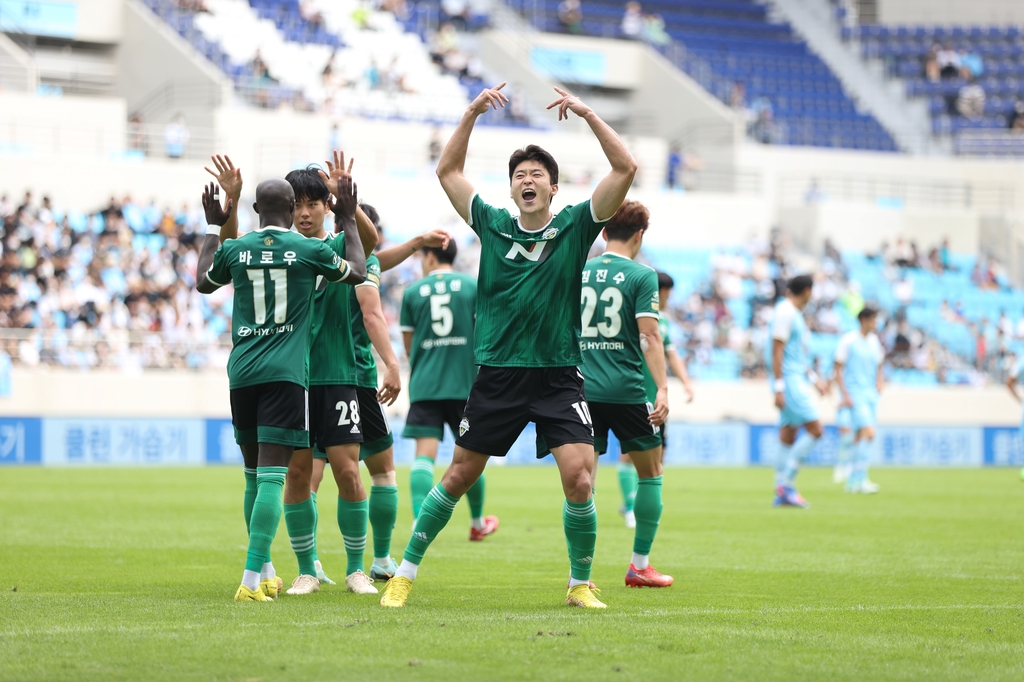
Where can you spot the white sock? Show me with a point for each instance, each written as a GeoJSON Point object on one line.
{"type": "Point", "coordinates": [382, 562]}
{"type": "Point", "coordinates": [407, 570]}
{"type": "Point", "coordinates": [573, 582]}
{"type": "Point", "coordinates": [477, 523]}
{"type": "Point", "coordinates": [640, 561]}
{"type": "Point", "coordinates": [318, 566]}
{"type": "Point", "coordinates": [251, 579]}
{"type": "Point", "coordinates": [267, 571]}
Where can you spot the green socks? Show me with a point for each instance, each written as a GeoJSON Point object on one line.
{"type": "Point", "coordinates": [352, 517]}
{"type": "Point", "coordinates": [475, 495]}
{"type": "Point", "coordinates": [266, 515]}
{"type": "Point", "coordinates": [300, 519]}
{"type": "Point", "coordinates": [316, 523]}
{"type": "Point", "coordinates": [580, 521]}
{"type": "Point", "coordinates": [648, 514]}
{"type": "Point", "coordinates": [436, 512]}
{"type": "Point", "coordinates": [250, 494]}
{"type": "Point", "coordinates": [627, 483]}
{"type": "Point", "coordinates": [383, 512]}
{"type": "Point", "coordinates": [421, 480]}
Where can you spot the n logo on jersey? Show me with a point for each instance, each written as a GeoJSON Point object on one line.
{"type": "Point", "coordinates": [534, 253]}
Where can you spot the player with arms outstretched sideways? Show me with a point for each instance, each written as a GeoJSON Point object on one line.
{"type": "Point", "coordinates": [619, 310]}
{"type": "Point", "coordinates": [790, 368]}
{"type": "Point", "coordinates": [274, 272]}
{"type": "Point", "coordinates": [437, 320]}
{"type": "Point", "coordinates": [858, 371]}
{"type": "Point", "coordinates": [526, 338]}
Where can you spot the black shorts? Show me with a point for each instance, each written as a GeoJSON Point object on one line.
{"type": "Point", "coordinates": [426, 418]}
{"type": "Point", "coordinates": [275, 412]}
{"type": "Point", "coordinates": [334, 417]}
{"type": "Point", "coordinates": [376, 430]}
{"type": "Point", "coordinates": [505, 399]}
{"type": "Point", "coordinates": [628, 423]}
{"type": "Point", "coordinates": [663, 432]}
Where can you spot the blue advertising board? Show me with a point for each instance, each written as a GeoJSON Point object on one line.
{"type": "Point", "coordinates": [39, 18]}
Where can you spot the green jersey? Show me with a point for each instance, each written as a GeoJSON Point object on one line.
{"type": "Point", "coordinates": [332, 355]}
{"type": "Point", "coordinates": [649, 386]}
{"type": "Point", "coordinates": [439, 311]}
{"type": "Point", "coordinates": [274, 272]}
{"type": "Point", "coordinates": [528, 284]}
{"type": "Point", "coordinates": [366, 366]}
{"type": "Point", "coordinates": [616, 292]}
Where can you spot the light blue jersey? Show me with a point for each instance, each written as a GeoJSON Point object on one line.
{"type": "Point", "coordinates": [861, 357]}
{"type": "Point", "coordinates": [789, 327]}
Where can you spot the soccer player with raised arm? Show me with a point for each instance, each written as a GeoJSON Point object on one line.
{"type": "Point", "coordinates": [790, 368]}
{"type": "Point", "coordinates": [628, 480]}
{"type": "Point", "coordinates": [437, 320]}
{"type": "Point", "coordinates": [858, 370]}
{"type": "Point", "coordinates": [274, 272]}
{"type": "Point", "coordinates": [527, 334]}
{"type": "Point", "coordinates": [620, 334]}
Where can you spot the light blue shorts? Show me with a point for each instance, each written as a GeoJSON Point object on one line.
{"type": "Point", "coordinates": [844, 418]}
{"type": "Point", "coordinates": [800, 408]}
{"type": "Point", "coordinates": [865, 411]}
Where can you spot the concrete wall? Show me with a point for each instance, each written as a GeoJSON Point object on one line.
{"type": "Point", "coordinates": [62, 126]}
{"type": "Point", "coordinates": [17, 70]}
{"type": "Point", "coordinates": [948, 12]}
{"type": "Point", "coordinates": [68, 393]}
{"type": "Point", "coordinates": [100, 21]}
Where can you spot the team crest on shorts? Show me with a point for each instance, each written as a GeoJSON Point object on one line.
{"type": "Point", "coordinates": [463, 427]}
{"type": "Point", "coordinates": [549, 233]}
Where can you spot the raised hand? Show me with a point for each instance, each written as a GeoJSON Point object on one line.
{"type": "Point", "coordinates": [489, 98]}
{"type": "Point", "coordinates": [229, 177]}
{"type": "Point", "coordinates": [568, 102]}
{"type": "Point", "coordinates": [436, 238]}
{"type": "Point", "coordinates": [215, 215]}
{"type": "Point", "coordinates": [347, 198]}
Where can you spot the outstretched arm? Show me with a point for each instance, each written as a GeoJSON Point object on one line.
{"type": "Point", "coordinates": [377, 329]}
{"type": "Point", "coordinates": [612, 189]}
{"type": "Point", "coordinates": [335, 172]}
{"type": "Point", "coordinates": [452, 163]}
{"type": "Point", "coordinates": [215, 217]}
{"type": "Point", "coordinates": [396, 255]}
{"type": "Point", "coordinates": [678, 367]}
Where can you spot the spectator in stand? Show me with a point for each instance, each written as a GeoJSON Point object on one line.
{"type": "Point", "coordinates": [763, 127]}
{"type": "Point", "coordinates": [455, 12]}
{"type": "Point", "coordinates": [314, 19]}
{"type": "Point", "coordinates": [1016, 119]}
{"type": "Point", "coordinates": [443, 43]}
{"type": "Point", "coordinates": [176, 137]}
{"type": "Point", "coordinates": [137, 140]}
{"type": "Point", "coordinates": [971, 64]}
{"type": "Point", "coordinates": [900, 255]}
{"type": "Point", "coordinates": [944, 255]}
{"type": "Point", "coordinates": [632, 21]}
{"type": "Point", "coordinates": [738, 96]}
{"type": "Point", "coordinates": [970, 103]}
{"type": "Point", "coordinates": [653, 31]}
{"type": "Point", "coordinates": [675, 166]}
{"type": "Point", "coordinates": [570, 16]}
{"type": "Point", "coordinates": [948, 61]}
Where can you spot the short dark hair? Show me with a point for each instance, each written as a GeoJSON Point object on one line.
{"type": "Point", "coordinates": [445, 256]}
{"type": "Point", "coordinates": [532, 152]}
{"type": "Point", "coordinates": [665, 281]}
{"type": "Point", "coordinates": [372, 214]}
{"type": "Point", "coordinates": [631, 218]}
{"type": "Point", "coordinates": [308, 185]}
{"type": "Point", "coordinates": [868, 311]}
{"type": "Point", "coordinates": [800, 284]}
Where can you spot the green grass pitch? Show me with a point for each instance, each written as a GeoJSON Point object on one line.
{"type": "Point", "coordinates": [128, 574]}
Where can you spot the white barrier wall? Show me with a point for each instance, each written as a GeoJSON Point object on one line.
{"type": "Point", "coordinates": [951, 12]}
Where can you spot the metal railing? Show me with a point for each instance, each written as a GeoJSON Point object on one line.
{"type": "Point", "coordinates": [115, 349]}
{"type": "Point", "coordinates": [897, 192]}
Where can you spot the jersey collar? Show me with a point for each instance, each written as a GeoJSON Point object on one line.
{"type": "Point", "coordinates": [439, 271]}
{"type": "Point", "coordinates": [519, 226]}
{"type": "Point", "coordinates": [272, 227]}
{"type": "Point", "coordinates": [617, 255]}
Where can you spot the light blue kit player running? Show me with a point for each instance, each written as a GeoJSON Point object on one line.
{"type": "Point", "coordinates": [844, 424]}
{"type": "Point", "coordinates": [858, 369]}
{"type": "Point", "coordinates": [1016, 377]}
{"type": "Point", "coordinates": [792, 385]}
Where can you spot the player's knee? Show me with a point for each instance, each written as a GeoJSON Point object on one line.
{"type": "Point", "coordinates": [457, 480]}
{"type": "Point", "coordinates": [579, 486]}
{"type": "Point", "coordinates": [350, 486]}
{"type": "Point", "coordinates": [298, 478]}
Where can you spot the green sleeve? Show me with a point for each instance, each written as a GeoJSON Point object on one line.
{"type": "Point", "coordinates": [328, 263]}
{"type": "Point", "coordinates": [481, 214]}
{"type": "Point", "coordinates": [372, 272]}
{"type": "Point", "coordinates": [406, 320]}
{"type": "Point", "coordinates": [646, 295]}
{"type": "Point", "coordinates": [583, 218]}
{"type": "Point", "coordinates": [220, 271]}
{"type": "Point", "coordinates": [338, 244]}
{"type": "Point", "coordinates": [666, 336]}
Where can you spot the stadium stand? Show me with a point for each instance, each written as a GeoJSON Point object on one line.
{"type": "Point", "coordinates": [738, 53]}
{"type": "Point", "coordinates": [345, 58]}
{"type": "Point", "coordinates": [971, 76]}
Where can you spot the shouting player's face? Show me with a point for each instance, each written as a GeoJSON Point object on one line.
{"type": "Point", "coordinates": [309, 217]}
{"type": "Point", "coordinates": [531, 187]}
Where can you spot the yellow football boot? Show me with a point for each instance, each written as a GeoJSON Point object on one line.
{"type": "Point", "coordinates": [396, 592]}
{"type": "Point", "coordinates": [582, 595]}
{"type": "Point", "coordinates": [245, 594]}
{"type": "Point", "coordinates": [272, 586]}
